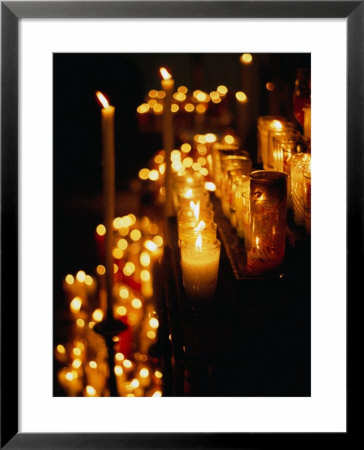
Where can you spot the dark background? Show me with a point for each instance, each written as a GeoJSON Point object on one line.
{"type": "Point", "coordinates": [125, 79]}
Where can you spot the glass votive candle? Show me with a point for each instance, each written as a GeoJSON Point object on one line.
{"type": "Point", "coordinates": [216, 163]}
{"type": "Point", "coordinates": [200, 266]}
{"type": "Point", "coordinates": [307, 195]}
{"type": "Point", "coordinates": [266, 240]}
{"type": "Point", "coordinates": [205, 213]}
{"type": "Point", "coordinates": [184, 200]}
{"type": "Point", "coordinates": [266, 124]}
{"type": "Point", "coordinates": [186, 183]}
{"type": "Point", "coordinates": [297, 186]}
{"type": "Point", "coordinates": [287, 127]}
{"type": "Point", "coordinates": [189, 230]}
{"type": "Point", "coordinates": [229, 195]}
{"type": "Point", "coordinates": [307, 121]}
{"type": "Point", "coordinates": [222, 152]}
{"type": "Point", "coordinates": [241, 202]}
{"type": "Point", "coordinates": [284, 145]}
{"type": "Point", "coordinates": [232, 162]}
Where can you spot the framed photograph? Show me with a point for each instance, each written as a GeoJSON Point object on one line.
{"type": "Point", "coordinates": [265, 359]}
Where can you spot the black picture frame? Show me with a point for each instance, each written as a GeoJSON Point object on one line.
{"type": "Point", "coordinates": [11, 12]}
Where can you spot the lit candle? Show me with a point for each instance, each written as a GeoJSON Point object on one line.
{"type": "Point", "coordinates": [307, 121]}
{"type": "Point", "coordinates": [200, 265]}
{"type": "Point", "coordinates": [267, 124]}
{"type": "Point", "coordinates": [96, 374]}
{"type": "Point", "coordinates": [69, 380]}
{"type": "Point", "coordinates": [168, 136]}
{"type": "Point", "coordinates": [108, 157]}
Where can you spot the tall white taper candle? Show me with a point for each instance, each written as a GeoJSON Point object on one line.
{"type": "Point", "coordinates": [168, 137]}
{"type": "Point", "coordinates": [108, 171]}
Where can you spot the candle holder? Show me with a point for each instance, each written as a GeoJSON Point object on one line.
{"type": "Point", "coordinates": [206, 213]}
{"type": "Point", "coordinates": [266, 123]}
{"type": "Point", "coordinates": [200, 266]}
{"type": "Point", "coordinates": [241, 163]}
{"type": "Point", "coordinates": [241, 189]}
{"type": "Point", "coordinates": [266, 239]}
{"type": "Point", "coordinates": [189, 231]}
{"type": "Point", "coordinates": [284, 145]}
{"type": "Point", "coordinates": [218, 151]}
{"type": "Point", "coordinates": [230, 194]}
{"type": "Point", "coordinates": [297, 186]}
{"type": "Point", "coordinates": [286, 128]}
{"type": "Point", "coordinates": [307, 195]}
{"type": "Point", "coordinates": [108, 329]}
{"type": "Point", "coordinates": [186, 185]}
{"type": "Point", "coordinates": [185, 199]}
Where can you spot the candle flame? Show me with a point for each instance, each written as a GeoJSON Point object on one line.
{"type": "Point", "coordinates": [102, 99]}
{"type": "Point", "coordinates": [196, 209]}
{"type": "Point", "coordinates": [165, 74]}
{"type": "Point", "coordinates": [201, 226]}
{"type": "Point", "coordinates": [189, 193]}
{"type": "Point", "coordinates": [199, 242]}
{"type": "Point", "coordinates": [150, 245]}
{"type": "Point", "coordinates": [276, 124]}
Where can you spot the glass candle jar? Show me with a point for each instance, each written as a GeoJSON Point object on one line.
{"type": "Point", "coordinates": [184, 200]}
{"type": "Point", "coordinates": [200, 266]}
{"type": "Point", "coordinates": [205, 213]}
{"type": "Point", "coordinates": [229, 163]}
{"type": "Point", "coordinates": [265, 124]}
{"type": "Point", "coordinates": [186, 184]}
{"type": "Point", "coordinates": [307, 195]}
{"type": "Point", "coordinates": [230, 193]}
{"type": "Point", "coordinates": [189, 230]}
{"type": "Point", "coordinates": [220, 151]}
{"type": "Point", "coordinates": [284, 145]}
{"type": "Point", "coordinates": [286, 127]}
{"type": "Point", "coordinates": [265, 242]}
{"type": "Point", "coordinates": [297, 186]}
{"type": "Point", "coordinates": [307, 121]}
{"type": "Point", "coordinates": [241, 202]}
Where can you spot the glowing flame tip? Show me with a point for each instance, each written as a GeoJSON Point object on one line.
{"type": "Point", "coordinates": [165, 74]}
{"type": "Point", "coordinates": [102, 99]}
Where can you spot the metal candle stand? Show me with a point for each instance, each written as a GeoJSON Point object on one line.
{"type": "Point", "coordinates": [108, 329]}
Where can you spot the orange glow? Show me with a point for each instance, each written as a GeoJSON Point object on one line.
{"type": "Point", "coordinates": [101, 229]}
{"type": "Point", "coordinates": [69, 279]}
{"type": "Point", "coordinates": [246, 58]}
{"type": "Point", "coordinates": [121, 310]}
{"type": "Point", "coordinates": [241, 97]}
{"type": "Point", "coordinates": [165, 74]}
{"type": "Point", "coordinates": [61, 349]}
{"type": "Point", "coordinates": [186, 148]}
{"type": "Point", "coordinates": [158, 240]}
{"type": "Point", "coordinates": [102, 99]}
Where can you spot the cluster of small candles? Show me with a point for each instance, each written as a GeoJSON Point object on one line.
{"type": "Point", "coordinates": [137, 249]}
{"type": "Point", "coordinates": [183, 101]}
{"type": "Point", "coordinates": [254, 201]}
{"type": "Point", "coordinates": [197, 239]}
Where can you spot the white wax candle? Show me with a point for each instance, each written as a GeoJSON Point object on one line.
{"type": "Point", "coordinates": [168, 137]}
{"type": "Point", "coordinates": [108, 160]}
{"type": "Point", "coordinates": [200, 265]}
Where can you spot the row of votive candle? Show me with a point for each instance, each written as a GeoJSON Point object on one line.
{"type": "Point", "coordinates": [283, 148]}
{"type": "Point", "coordinates": [197, 238]}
